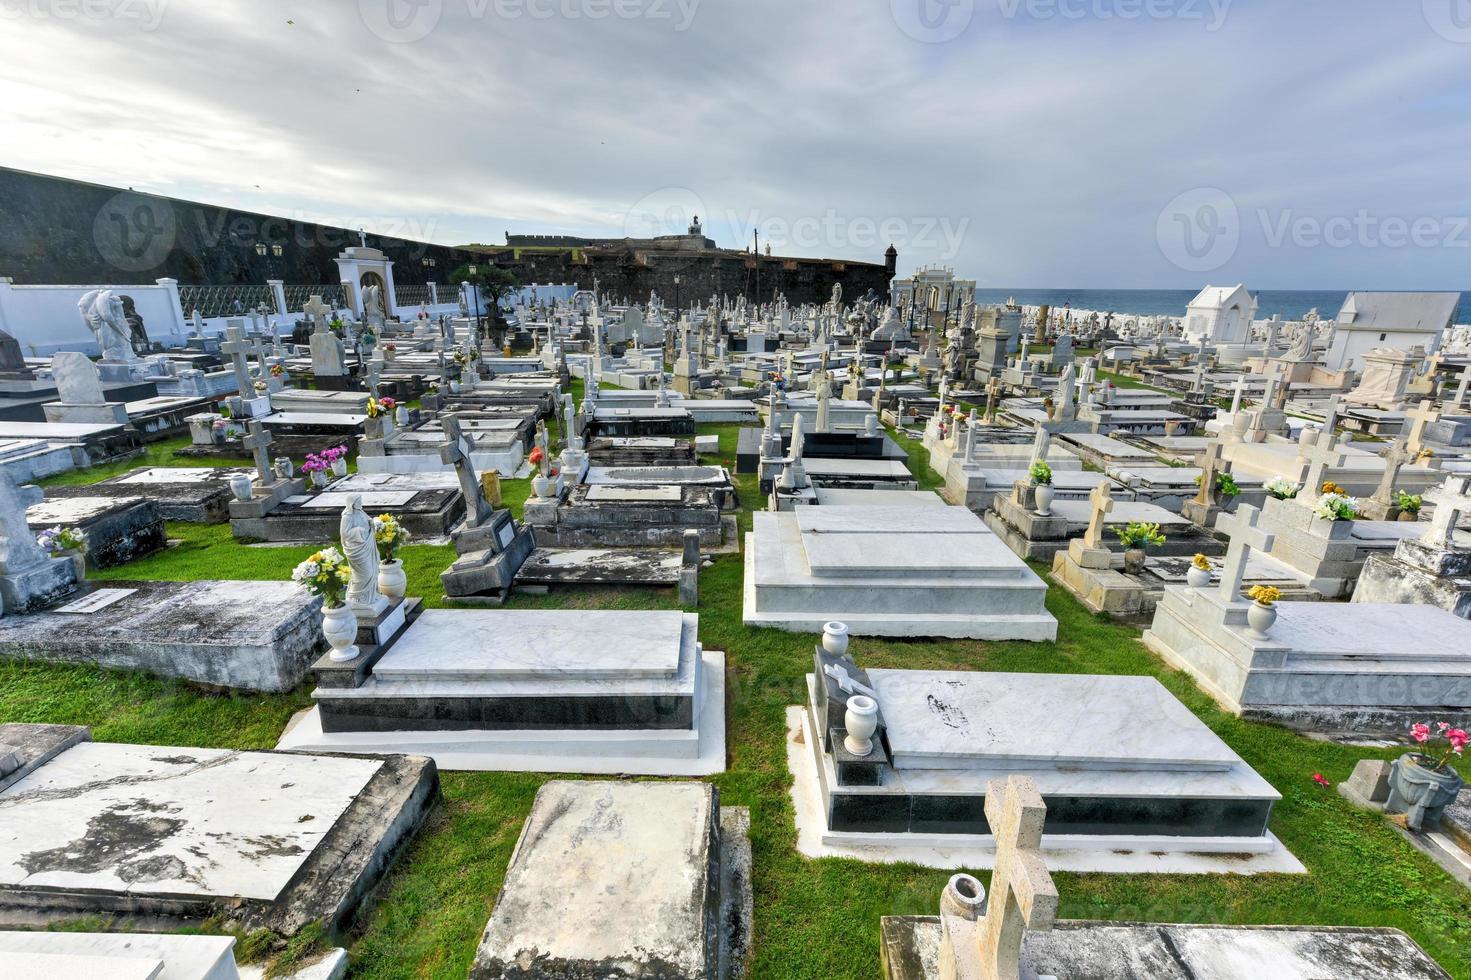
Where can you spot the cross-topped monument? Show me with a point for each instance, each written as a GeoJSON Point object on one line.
{"type": "Point", "coordinates": [455, 450]}
{"type": "Point", "coordinates": [1101, 500]}
{"type": "Point", "coordinates": [1424, 415]}
{"type": "Point", "coordinates": [1452, 501]}
{"type": "Point", "coordinates": [1210, 468]}
{"type": "Point", "coordinates": [1394, 460]}
{"type": "Point", "coordinates": [238, 347]}
{"type": "Point", "coordinates": [1022, 895]}
{"type": "Point", "coordinates": [259, 443]}
{"type": "Point", "coordinates": [317, 310]}
{"type": "Point", "coordinates": [1321, 454]}
{"type": "Point", "coordinates": [1245, 537]}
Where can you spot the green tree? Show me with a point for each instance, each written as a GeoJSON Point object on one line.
{"type": "Point", "coordinates": [492, 282]}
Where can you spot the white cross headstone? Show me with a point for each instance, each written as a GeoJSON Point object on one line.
{"type": "Point", "coordinates": [1102, 500]}
{"type": "Point", "coordinates": [455, 451]}
{"type": "Point", "coordinates": [1321, 454]}
{"type": "Point", "coordinates": [1210, 466]}
{"type": "Point", "coordinates": [237, 347]}
{"type": "Point", "coordinates": [317, 310]}
{"type": "Point", "coordinates": [1237, 391]}
{"type": "Point", "coordinates": [1022, 895]}
{"type": "Point", "coordinates": [1423, 415]}
{"type": "Point", "coordinates": [1452, 501]}
{"type": "Point", "coordinates": [259, 443]}
{"type": "Point", "coordinates": [1394, 460]}
{"type": "Point", "coordinates": [1245, 537]}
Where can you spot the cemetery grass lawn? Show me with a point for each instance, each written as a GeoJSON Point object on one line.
{"type": "Point", "coordinates": [813, 919]}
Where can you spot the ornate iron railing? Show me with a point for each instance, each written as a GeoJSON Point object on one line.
{"type": "Point", "coordinates": [411, 295]}
{"type": "Point", "coordinates": [298, 296]}
{"type": "Point", "coordinates": [233, 300]}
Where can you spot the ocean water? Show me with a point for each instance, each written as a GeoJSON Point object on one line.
{"type": "Point", "coordinates": [1291, 304]}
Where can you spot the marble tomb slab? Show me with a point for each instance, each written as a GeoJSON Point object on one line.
{"type": "Point", "coordinates": [172, 821]}
{"type": "Point", "coordinates": [536, 644]}
{"type": "Point", "coordinates": [626, 494]}
{"type": "Point", "coordinates": [969, 719]}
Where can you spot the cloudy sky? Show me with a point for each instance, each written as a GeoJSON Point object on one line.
{"type": "Point", "coordinates": [1044, 143]}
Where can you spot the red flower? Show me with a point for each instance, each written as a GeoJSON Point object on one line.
{"type": "Point", "coordinates": [1321, 780]}
{"type": "Point", "coordinates": [536, 456]}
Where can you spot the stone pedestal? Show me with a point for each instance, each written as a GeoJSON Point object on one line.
{"type": "Point", "coordinates": [104, 413]}
{"type": "Point", "coordinates": [1418, 573]}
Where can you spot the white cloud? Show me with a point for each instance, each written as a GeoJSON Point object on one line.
{"type": "Point", "coordinates": [1053, 141]}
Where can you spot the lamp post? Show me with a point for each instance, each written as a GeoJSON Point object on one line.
{"type": "Point", "coordinates": [678, 307]}
{"type": "Point", "coordinates": [270, 253]}
{"type": "Point", "coordinates": [475, 294]}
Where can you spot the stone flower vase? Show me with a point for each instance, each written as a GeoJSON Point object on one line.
{"type": "Point", "coordinates": [242, 487]}
{"type": "Point", "coordinates": [319, 479]}
{"type": "Point", "coordinates": [78, 559]}
{"type": "Point", "coordinates": [1044, 499]}
{"type": "Point", "coordinates": [1409, 516]}
{"type": "Point", "coordinates": [835, 638]}
{"type": "Point", "coordinates": [1419, 792]}
{"type": "Point", "coordinates": [392, 581]}
{"type": "Point", "coordinates": [340, 627]}
{"type": "Point", "coordinates": [861, 720]}
{"type": "Point", "coordinates": [401, 416]}
{"type": "Point", "coordinates": [541, 485]}
{"type": "Point", "coordinates": [1197, 578]}
{"type": "Point", "coordinates": [1134, 561]}
{"type": "Point", "coordinates": [339, 466]}
{"type": "Point", "coordinates": [1260, 618]}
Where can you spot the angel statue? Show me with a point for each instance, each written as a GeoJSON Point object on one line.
{"type": "Point", "coordinates": [102, 311]}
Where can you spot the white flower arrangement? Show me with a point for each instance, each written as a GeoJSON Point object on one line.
{"type": "Point", "coordinates": [1282, 488]}
{"type": "Point", "coordinates": [325, 574]}
{"type": "Point", "coordinates": [1336, 507]}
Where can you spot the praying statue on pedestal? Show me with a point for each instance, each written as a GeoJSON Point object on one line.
{"type": "Point", "coordinates": [361, 550]}
{"type": "Point", "coordinates": [102, 311]}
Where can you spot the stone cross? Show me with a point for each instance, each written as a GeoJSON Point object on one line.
{"type": "Point", "coordinates": [1422, 416]}
{"type": "Point", "coordinates": [1461, 389]}
{"type": "Point", "coordinates": [373, 377]}
{"type": "Point", "coordinates": [1321, 454]}
{"type": "Point", "coordinates": [317, 310]}
{"type": "Point", "coordinates": [454, 450]}
{"type": "Point", "coordinates": [1330, 420]}
{"type": "Point", "coordinates": [993, 393]}
{"type": "Point", "coordinates": [1102, 500]}
{"type": "Point", "coordinates": [1022, 894]}
{"type": "Point", "coordinates": [1452, 500]}
{"type": "Point", "coordinates": [1237, 390]}
{"type": "Point", "coordinates": [1394, 459]}
{"type": "Point", "coordinates": [1210, 465]}
{"type": "Point", "coordinates": [259, 443]}
{"type": "Point", "coordinates": [970, 438]}
{"type": "Point", "coordinates": [237, 347]}
{"type": "Point", "coordinates": [1268, 393]}
{"type": "Point", "coordinates": [1245, 537]}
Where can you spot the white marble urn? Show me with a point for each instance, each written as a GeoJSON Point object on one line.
{"type": "Point", "coordinates": [340, 627]}
{"type": "Point", "coordinates": [861, 721]}
{"type": "Point", "coordinates": [835, 638]}
{"type": "Point", "coordinates": [1044, 499]}
{"type": "Point", "coordinates": [339, 466]}
{"type": "Point", "coordinates": [392, 581]}
{"type": "Point", "coordinates": [1260, 618]}
{"type": "Point", "coordinates": [1197, 578]}
{"type": "Point", "coordinates": [242, 487]}
{"type": "Point", "coordinates": [541, 486]}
